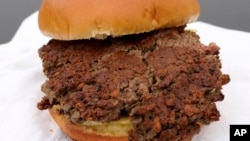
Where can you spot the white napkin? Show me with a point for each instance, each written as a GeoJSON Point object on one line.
{"type": "Point", "coordinates": [21, 77]}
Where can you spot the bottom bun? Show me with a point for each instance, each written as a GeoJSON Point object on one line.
{"type": "Point", "coordinates": [93, 131]}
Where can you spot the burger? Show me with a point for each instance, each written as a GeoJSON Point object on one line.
{"type": "Point", "coordinates": [128, 70]}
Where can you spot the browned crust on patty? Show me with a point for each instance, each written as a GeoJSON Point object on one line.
{"type": "Point", "coordinates": [166, 81]}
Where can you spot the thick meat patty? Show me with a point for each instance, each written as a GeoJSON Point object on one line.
{"type": "Point", "coordinates": [165, 81]}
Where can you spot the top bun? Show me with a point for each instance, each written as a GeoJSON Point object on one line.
{"type": "Point", "coordinates": [84, 19]}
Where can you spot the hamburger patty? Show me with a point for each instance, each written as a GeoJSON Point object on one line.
{"type": "Point", "coordinates": [166, 81]}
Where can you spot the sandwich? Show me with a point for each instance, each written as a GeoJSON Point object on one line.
{"type": "Point", "coordinates": [128, 70]}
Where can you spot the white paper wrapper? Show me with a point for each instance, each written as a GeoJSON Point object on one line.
{"type": "Point", "coordinates": [21, 77]}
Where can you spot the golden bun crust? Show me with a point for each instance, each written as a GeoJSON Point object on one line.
{"type": "Point", "coordinates": [93, 131]}
{"type": "Point", "coordinates": [84, 19]}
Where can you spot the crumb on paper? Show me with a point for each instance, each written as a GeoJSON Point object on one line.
{"type": "Point", "coordinates": [51, 130]}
